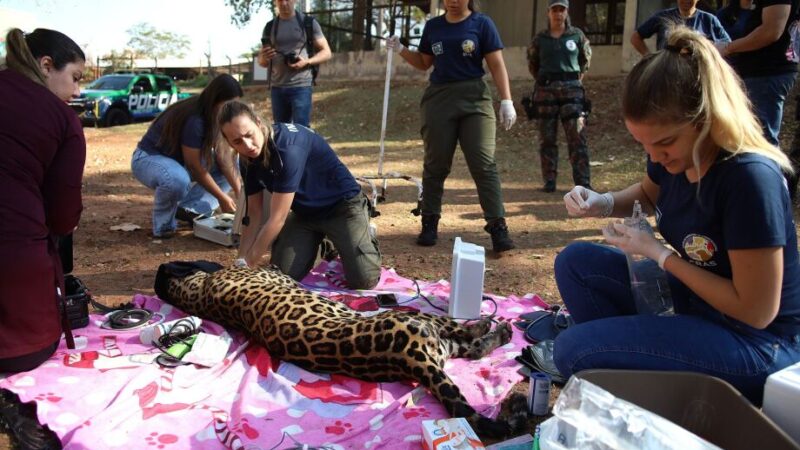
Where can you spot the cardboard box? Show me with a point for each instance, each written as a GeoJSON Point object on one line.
{"type": "Point", "coordinates": [449, 434]}
{"type": "Point", "coordinates": [705, 405]}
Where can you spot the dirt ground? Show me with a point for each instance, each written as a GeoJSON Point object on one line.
{"type": "Point", "coordinates": [115, 265]}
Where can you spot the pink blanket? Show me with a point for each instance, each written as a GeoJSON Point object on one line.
{"type": "Point", "coordinates": [103, 396]}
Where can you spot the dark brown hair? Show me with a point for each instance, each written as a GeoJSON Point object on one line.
{"type": "Point", "coordinates": [23, 51]}
{"type": "Point", "coordinates": [221, 89]}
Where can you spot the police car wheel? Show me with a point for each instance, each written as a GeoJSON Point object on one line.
{"type": "Point", "coordinates": [117, 117]}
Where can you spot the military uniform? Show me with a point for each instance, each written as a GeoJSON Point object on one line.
{"type": "Point", "coordinates": [557, 64]}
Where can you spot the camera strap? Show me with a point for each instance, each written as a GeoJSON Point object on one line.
{"type": "Point", "coordinates": [61, 304]}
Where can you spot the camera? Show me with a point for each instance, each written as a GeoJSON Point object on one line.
{"type": "Point", "coordinates": [290, 58]}
{"type": "Point", "coordinates": [75, 304]}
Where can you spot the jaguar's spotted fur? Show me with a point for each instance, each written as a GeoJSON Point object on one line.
{"type": "Point", "coordinates": [318, 334]}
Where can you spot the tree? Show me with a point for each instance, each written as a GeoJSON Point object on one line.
{"type": "Point", "coordinates": [250, 55]}
{"type": "Point", "coordinates": [148, 42]}
{"type": "Point", "coordinates": [243, 9]}
{"type": "Point", "coordinates": [119, 60]}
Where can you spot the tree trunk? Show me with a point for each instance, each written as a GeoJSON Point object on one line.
{"type": "Point", "coordinates": [359, 16]}
{"type": "Point", "coordinates": [368, 41]}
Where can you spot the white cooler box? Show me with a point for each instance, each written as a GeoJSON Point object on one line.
{"type": "Point", "coordinates": [782, 400]}
{"type": "Point", "coordinates": [218, 229]}
{"type": "Point", "coordinates": [466, 280]}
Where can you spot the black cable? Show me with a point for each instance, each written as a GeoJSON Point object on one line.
{"type": "Point", "coordinates": [179, 332]}
{"type": "Point", "coordinates": [419, 294]}
{"type": "Point", "coordinates": [126, 319]}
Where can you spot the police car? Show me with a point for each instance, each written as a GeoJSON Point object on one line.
{"type": "Point", "coordinates": [122, 97]}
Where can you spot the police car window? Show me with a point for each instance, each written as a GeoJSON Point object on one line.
{"type": "Point", "coordinates": [163, 84]}
{"type": "Point", "coordinates": [145, 83]}
{"type": "Point", "coordinates": [110, 82]}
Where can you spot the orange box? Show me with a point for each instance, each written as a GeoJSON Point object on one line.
{"type": "Point", "coordinates": [449, 434]}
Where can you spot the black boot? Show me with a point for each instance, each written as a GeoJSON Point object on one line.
{"type": "Point", "coordinates": [501, 242]}
{"type": "Point", "coordinates": [430, 230]}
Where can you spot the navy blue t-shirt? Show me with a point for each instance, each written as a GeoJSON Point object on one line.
{"type": "Point", "coordinates": [303, 163]}
{"type": "Point", "coordinates": [743, 203]}
{"type": "Point", "coordinates": [772, 59]}
{"type": "Point", "coordinates": [702, 22]}
{"type": "Point", "coordinates": [192, 136]}
{"type": "Point", "coordinates": [458, 48]}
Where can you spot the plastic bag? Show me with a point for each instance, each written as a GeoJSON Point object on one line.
{"type": "Point", "coordinates": [649, 283]}
{"type": "Point", "coordinates": [589, 417]}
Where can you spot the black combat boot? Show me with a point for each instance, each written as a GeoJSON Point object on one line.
{"type": "Point", "coordinates": [430, 230]}
{"type": "Point", "coordinates": [501, 242]}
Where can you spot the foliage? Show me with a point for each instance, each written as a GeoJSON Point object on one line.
{"type": "Point", "coordinates": [119, 60]}
{"type": "Point", "coordinates": [249, 55]}
{"type": "Point", "coordinates": [243, 10]}
{"type": "Point", "coordinates": [147, 41]}
{"type": "Point", "coordinates": [199, 81]}
{"type": "Point", "coordinates": [347, 27]}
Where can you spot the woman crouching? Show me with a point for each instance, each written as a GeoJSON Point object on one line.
{"type": "Point", "coordinates": [313, 196]}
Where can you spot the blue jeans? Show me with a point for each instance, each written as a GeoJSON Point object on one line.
{"type": "Point", "coordinates": [594, 284]}
{"type": "Point", "coordinates": [768, 94]}
{"type": "Point", "coordinates": [291, 105]}
{"type": "Point", "coordinates": [174, 188]}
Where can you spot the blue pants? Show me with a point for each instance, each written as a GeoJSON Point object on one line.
{"type": "Point", "coordinates": [291, 105]}
{"type": "Point", "coordinates": [594, 284]}
{"type": "Point", "coordinates": [768, 95]}
{"type": "Point", "coordinates": [174, 188]}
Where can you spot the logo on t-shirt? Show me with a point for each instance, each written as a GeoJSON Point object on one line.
{"type": "Point", "coordinates": [437, 48]}
{"type": "Point", "coordinates": [468, 46]}
{"type": "Point", "coordinates": [700, 249]}
{"type": "Point", "coordinates": [571, 46]}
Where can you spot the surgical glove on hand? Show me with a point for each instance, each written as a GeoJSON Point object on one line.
{"type": "Point", "coordinates": [240, 262]}
{"type": "Point", "coordinates": [582, 202]}
{"type": "Point", "coordinates": [394, 43]}
{"type": "Point", "coordinates": [633, 241]}
{"type": "Point", "coordinates": [508, 115]}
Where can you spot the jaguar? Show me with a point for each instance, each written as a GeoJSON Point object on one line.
{"type": "Point", "coordinates": [322, 335]}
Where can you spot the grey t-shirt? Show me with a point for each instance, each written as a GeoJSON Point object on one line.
{"type": "Point", "coordinates": [291, 38]}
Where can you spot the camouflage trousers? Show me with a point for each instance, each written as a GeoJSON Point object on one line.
{"type": "Point", "coordinates": [562, 101]}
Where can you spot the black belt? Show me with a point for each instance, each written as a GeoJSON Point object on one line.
{"type": "Point", "coordinates": [565, 76]}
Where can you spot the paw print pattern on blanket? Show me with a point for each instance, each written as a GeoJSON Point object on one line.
{"type": "Point", "coordinates": [416, 412]}
{"type": "Point", "coordinates": [160, 440]}
{"type": "Point", "coordinates": [48, 396]}
{"type": "Point", "coordinates": [338, 428]}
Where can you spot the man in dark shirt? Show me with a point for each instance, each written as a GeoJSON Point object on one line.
{"type": "Point", "coordinates": [685, 14]}
{"type": "Point", "coordinates": [763, 58]}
